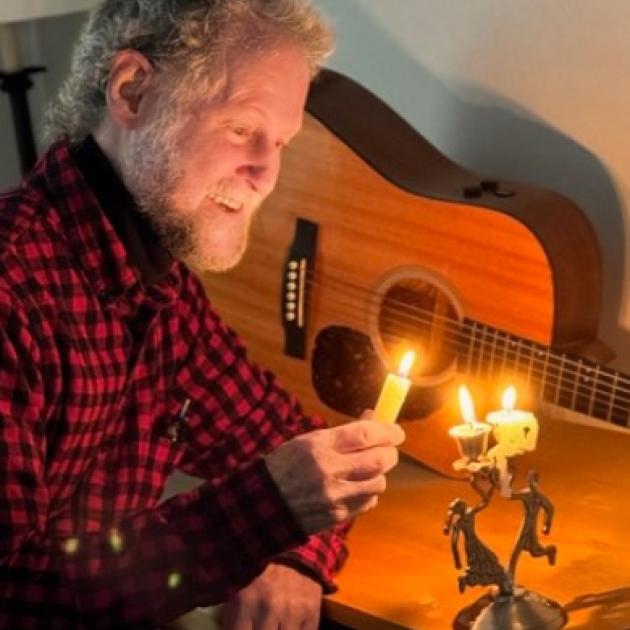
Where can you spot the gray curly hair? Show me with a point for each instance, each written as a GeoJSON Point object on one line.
{"type": "Point", "coordinates": [185, 39]}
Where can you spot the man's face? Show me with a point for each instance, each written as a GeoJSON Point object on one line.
{"type": "Point", "coordinates": [200, 179]}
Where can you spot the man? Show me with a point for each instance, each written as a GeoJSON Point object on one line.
{"type": "Point", "coordinates": [114, 369]}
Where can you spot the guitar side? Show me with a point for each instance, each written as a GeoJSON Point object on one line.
{"type": "Point", "coordinates": [484, 253]}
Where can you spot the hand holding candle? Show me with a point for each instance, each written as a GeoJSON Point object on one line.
{"type": "Point", "coordinates": [394, 391]}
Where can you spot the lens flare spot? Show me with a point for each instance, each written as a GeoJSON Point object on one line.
{"type": "Point", "coordinates": [174, 580]}
{"type": "Point", "coordinates": [71, 546]}
{"type": "Point", "coordinates": [116, 541]}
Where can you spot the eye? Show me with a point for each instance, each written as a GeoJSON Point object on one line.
{"type": "Point", "coordinates": [241, 131]}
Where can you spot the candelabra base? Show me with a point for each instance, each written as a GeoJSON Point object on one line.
{"type": "Point", "coordinates": [523, 610]}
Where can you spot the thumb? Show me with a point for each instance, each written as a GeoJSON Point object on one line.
{"type": "Point", "coordinates": [363, 434]}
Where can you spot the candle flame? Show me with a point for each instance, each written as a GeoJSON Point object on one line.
{"type": "Point", "coordinates": [406, 363]}
{"type": "Point", "coordinates": [466, 405]}
{"type": "Point", "coordinates": [509, 398]}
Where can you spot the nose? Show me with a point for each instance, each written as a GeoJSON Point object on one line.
{"type": "Point", "coordinates": [262, 168]}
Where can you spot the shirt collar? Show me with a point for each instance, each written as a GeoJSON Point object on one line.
{"type": "Point", "coordinates": [132, 226]}
{"type": "Point", "coordinates": [81, 218]}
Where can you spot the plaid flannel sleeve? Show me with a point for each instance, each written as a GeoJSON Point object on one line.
{"type": "Point", "coordinates": [196, 548]}
{"type": "Point", "coordinates": [239, 412]}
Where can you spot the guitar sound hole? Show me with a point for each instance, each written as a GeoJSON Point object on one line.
{"type": "Point", "coordinates": [418, 314]}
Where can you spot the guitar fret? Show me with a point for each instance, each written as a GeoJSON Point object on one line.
{"type": "Point", "coordinates": [544, 372]}
{"type": "Point", "coordinates": [493, 348]}
{"type": "Point", "coordinates": [482, 342]}
{"type": "Point", "coordinates": [584, 391]}
{"type": "Point", "coordinates": [591, 400]}
{"type": "Point", "coordinates": [551, 378]}
{"type": "Point", "coordinates": [471, 348]}
{"type": "Point", "coordinates": [576, 382]}
{"type": "Point", "coordinates": [510, 356]}
{"type": "Point", "coordinates": [621, 403]}
{"type": "Point", "coordinates": [530, 364]}
{"type": "Point", "coordinates": [505, 351]}
{"type": "Point", "coordinates": [604, 397]}
{"type": "Point", "coordinates": [612, 397]}
{"type": "Point", "coordinates": [517, 358]}
{"type": "Point", "coordinates": [535, 374]}
{"type": "Point", "coordinates": [556, 398]}
{"type": "Point", "coordinates": [567, 381]}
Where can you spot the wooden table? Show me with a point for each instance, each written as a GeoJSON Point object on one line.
{"type": "Point", "coordinates": [400, 573]}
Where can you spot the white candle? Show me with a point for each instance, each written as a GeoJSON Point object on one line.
{"type": "Point", "coordinates": [394, 391]}
{"type": "Point", "coordinates": [9, 48]}
{"type": "Point", "coordinates": [515, 430]}
{"type": "Point", "coordinates": [471, 436]}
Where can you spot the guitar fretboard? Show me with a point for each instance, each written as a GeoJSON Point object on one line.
{"type": "Point", "coordinates": [556, 377]}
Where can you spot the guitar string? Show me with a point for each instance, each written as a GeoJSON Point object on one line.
{"type": "Point", "coordinates": [586, 378]}
{"type": "Point", "coordinates": [613, 402]}
{"type": "Point", "coordinates": [582, 372]}
{"type": "Point", "coordinates": [570, 366]}
{"type": "Point", "coordinates": [536, 371]}
{"type": "Point", "coordinates": [543, 380]}
{"type": "Point", "coordinates": [423, 315]}
{"type": "Point", "coordinates": [417, 313]}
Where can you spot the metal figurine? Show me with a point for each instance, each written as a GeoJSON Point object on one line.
{"type": "Point", "coordinates": [507, 606]}
{"type": "Point", "coordinates": [533, 502]}
{"type": "Point", "coordinates": [482, 565]}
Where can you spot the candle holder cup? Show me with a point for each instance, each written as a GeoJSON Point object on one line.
{"type": "Point", "coordinates": [507, 606]}
{"type": "Point", "coordinates": [472, 440]}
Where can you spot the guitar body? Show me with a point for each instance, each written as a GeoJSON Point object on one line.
{"type": "Point", "coordinates": [403, 235]}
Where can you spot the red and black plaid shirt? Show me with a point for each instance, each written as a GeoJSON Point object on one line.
{"type": "Point", "coordinates": [95, 364]}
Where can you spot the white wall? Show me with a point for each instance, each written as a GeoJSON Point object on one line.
{"type": "Point", "coordinates": [529, 90]}
{"type": "Point", "coordinates": [46, 42]}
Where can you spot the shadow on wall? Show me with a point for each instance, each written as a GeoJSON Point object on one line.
{"type": "Point", "coordinates": [508, 142]}
{"type": "Point", "coordinates": [492, 136]}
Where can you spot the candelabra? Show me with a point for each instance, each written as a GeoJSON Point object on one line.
{"type": "Point", "coordinates": [507, 606]}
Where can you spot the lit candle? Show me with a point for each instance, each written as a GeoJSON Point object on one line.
{"type": "Point", "coordinates": [516, 431]}
{"type": "Point", "coordinates": [471, 436]}
{"type": "Point", "coordinates": [394, 390]}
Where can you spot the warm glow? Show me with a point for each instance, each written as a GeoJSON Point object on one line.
{"type": "Point", "coordinates": [71, 546]}
{"type": "Point", "coordinates": [116, 541]}
{"type": "Point", "coordinates": [509, 398]}
{"type": "Point", "coordinates": [406, 363]}
{"type": "Point", "coordinates": [174, 580]}
{"type": "Point", "coordinates": [466, 405]}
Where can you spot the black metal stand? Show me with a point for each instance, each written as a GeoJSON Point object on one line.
{"type": "Point", "coordinates": [16, 85]}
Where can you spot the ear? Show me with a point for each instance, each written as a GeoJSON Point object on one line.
{"type": "Point", "coordinates": [130, 77]}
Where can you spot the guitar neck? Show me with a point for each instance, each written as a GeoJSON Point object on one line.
{"type": "Point", "coordinates": [559, 378]}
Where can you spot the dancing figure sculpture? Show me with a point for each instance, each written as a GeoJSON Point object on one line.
{"type": "Point", "coordinates": [533, 502]}
{"type": "Point", "coordinates": [482, 565]}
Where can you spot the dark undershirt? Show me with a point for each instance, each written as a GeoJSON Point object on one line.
{"type": "Point", "coordinates": [132, 226]}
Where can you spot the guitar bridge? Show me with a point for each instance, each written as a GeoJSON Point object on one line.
{"type": "Point", "coordinates": [295, 287]}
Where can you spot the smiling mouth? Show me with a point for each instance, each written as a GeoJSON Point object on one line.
{"type": "Point", "coordinates": [229, 204]}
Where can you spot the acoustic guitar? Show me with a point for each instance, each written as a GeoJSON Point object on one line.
{"type": "Point", "coordinates": [374, 242]}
